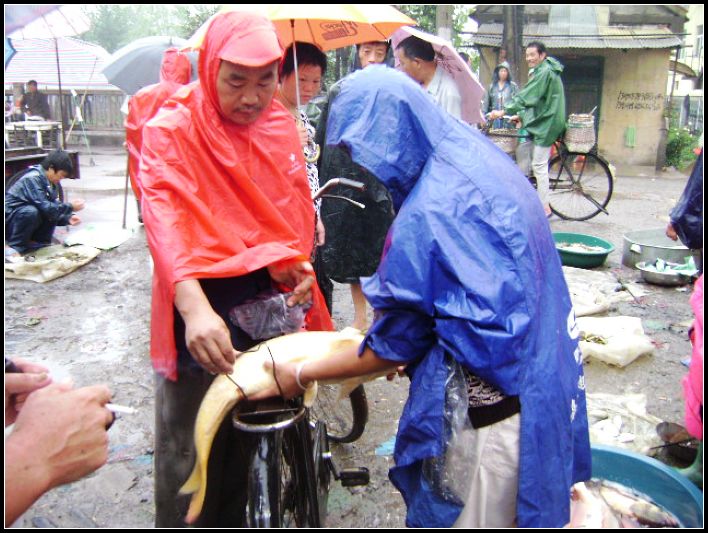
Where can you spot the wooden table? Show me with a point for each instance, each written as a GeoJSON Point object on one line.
{"type": "Point", "coordinates": [41, 133]}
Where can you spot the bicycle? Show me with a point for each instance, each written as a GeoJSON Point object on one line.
{"type": "Point", "coordinates": [580, 183]}
{"type": "Point", "coordinates": [290, 465]}
{"type": "Point", "coordinates": [345, 421]}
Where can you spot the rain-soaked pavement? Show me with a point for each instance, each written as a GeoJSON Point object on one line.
{"type": "Point", "coordinates": [93, 326]}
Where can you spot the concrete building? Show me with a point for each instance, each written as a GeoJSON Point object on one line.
{"type": "Point", "coordinates": [616, 59]}
{"type": "Point", "coordinates": [686, 75]}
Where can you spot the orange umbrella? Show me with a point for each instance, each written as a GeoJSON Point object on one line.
{"type": "Point", "coordinates": [331, 26]}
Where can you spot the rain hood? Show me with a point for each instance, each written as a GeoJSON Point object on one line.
{"type": "Point", "coordinates": [175, 72]}
{"type": "Point", "coordinates": [222, 200]}
{"type": "Point", "coordinates": [469, 272]}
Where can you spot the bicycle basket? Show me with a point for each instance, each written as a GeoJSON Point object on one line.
{"type": "Point", "coordinates": [580, 133]}
{"type": "Point", "coordinates": [505, 138]}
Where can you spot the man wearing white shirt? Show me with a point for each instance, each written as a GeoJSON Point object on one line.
{"type": "Point", "coordinates": [417, 59]}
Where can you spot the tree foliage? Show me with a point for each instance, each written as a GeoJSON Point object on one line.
{"type": "Point", "coordinates": [114, 25]}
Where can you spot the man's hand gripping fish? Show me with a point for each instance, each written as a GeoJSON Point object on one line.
{"type": "Point", "coordinates": [252, 377]}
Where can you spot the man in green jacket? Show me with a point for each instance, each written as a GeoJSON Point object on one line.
{"type": "Point", "coordinates": [541, 108]}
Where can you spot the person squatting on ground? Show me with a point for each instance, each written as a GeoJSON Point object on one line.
{"type": "Point", "coordinates": [541, 107]}
{"type": "Point", "coordinates": [228, 215]}
{"type": "Point", "coordinates": [355, 237]}
{"type": "Point", "coordinates": [469, 285]}
{"type": "Point", "coordinates": [175, 72]}
{"type": "Point", "coordinates": [32, 206]}
{"type": "Point", "coordinates": [59, 434]}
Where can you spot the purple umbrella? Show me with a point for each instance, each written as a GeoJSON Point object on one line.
{"type": "Point", "coordinates": [447, 57]}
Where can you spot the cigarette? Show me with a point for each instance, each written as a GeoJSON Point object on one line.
{"type": "Point", "coordinates": [115, 408]}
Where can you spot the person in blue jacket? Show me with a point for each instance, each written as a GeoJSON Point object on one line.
{"type": "Point", "coordinates": [469, 282]}
{"type": "Point", "coordinates": [686, 217]}
{"type": "Point", "coordinates": [32, 206]}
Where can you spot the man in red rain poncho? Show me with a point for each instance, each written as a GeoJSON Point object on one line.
{"type": "Point", "coordinates": [228, 213]}
{"type": "Point", "coordinates": [175, 72]}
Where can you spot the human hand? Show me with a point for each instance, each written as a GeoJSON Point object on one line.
{"type": "Point", "coordinates": [297, 275]}
{"type": "Point", "coordinates": [515, 119]}
{"type": "Point", "coordinates": [319, 233]}
{"type": "Point", "coordinates": [285, 382]}
{"type": "Point", "coordinates": [209, 341]}
{"type": "Point", "coordinates": [401, 371]}
{"type": "Point", "coordinates": [302, 134]}
{"type": "Point", "coordinates": [64, 431]}
{"type": "Point", "coordinates": [74, 220]}
{"type": "Point", "coordinates": [493, 115]}
{"type": "Point", "coordinates": [78, 204]}
{"type": "Point", "coordinates": [671, 232]}
{"type": "Point", "coordinates": [18, 386]}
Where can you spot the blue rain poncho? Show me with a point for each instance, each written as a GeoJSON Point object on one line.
{"type": "Point", "coordinates": [469, 272]}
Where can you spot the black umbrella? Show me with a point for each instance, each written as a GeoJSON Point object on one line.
{"type": "Point", "coordinates": [137, 64]}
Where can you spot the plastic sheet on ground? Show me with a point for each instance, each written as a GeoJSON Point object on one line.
{"type": "Point", "coordinates": [622, 421]}
{"type": "Point", "coordinates": [616, 340]}
{"type": "Point", "coordinates": [594, 292]}
{"type": "Point", "coordinates": [51, 263]}
{"type": "Point", "coordinates": [101, 236]}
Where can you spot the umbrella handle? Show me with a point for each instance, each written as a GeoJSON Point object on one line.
{"type": "Point", "coordinates": [297, 76]}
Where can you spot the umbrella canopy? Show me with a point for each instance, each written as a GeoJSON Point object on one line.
{"type": "Point", "coordinates": [81, 64]}
{"type": "Point", "coordinates": [9, 51]}
{"type": "Point", "coordinates": [44, 21]}
{"type": "Point", "coordinates": [447, 57]}
{"type": "Point", "coordinates": [137, 64]}
{"type": "Point", "coordinates": [331, 26]}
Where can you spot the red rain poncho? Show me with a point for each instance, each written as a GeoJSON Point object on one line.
{"type": "Point", "coordinates": [221, 200]}
{"type": "Point", "coordinates": [175, 72]}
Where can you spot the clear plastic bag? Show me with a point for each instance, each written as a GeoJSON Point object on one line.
{"type": "Point", "coordinates": [447, 473]}
{"type": "Point", "coordinates": [268, 316]}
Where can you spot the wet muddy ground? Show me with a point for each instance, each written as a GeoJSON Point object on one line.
{"type": "Point", "coordinates": [93, 326]}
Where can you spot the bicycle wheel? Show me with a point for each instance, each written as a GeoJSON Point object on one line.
{"type": "Point", "coordinates": [280, 490]}
{"type": "Point", "coordinates": [344, 419]}
{"type": "Point", "coordinates": [580, 185]}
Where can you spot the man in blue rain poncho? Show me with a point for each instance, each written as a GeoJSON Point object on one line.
{"type": "Point", "coordinates": [469, 281]}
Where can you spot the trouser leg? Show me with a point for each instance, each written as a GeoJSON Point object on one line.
{"type": "Point", "coordinates": [494, 475]}
{"type": "Point", "coordinates": [25, 226]}
{"type": "Point", "coordinates": [541, 155]}
{"type": "Point", "coordinates": [176, 408]}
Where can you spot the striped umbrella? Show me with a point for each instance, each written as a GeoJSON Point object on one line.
{"type": "Point", "coordinates": [43, 21]}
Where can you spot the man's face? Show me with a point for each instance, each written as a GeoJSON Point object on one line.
{"type": "Point", "coordinates": [372, 54]}
{"type": "Point", "coordinates": [533, 58]}
{"type": "Point", "coordinates": [244, 92]}
{"type": "Point", "coordinates": [32, 88]}
{"type": "Point", "coordinates": [55, 176]}
{"type": "Point", "coordinates": [409, 66]}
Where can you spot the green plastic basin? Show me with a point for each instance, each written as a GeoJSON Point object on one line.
{"type": "Point", "coordinates": [582, 259]}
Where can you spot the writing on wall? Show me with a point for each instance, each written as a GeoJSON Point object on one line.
{"type": "Point", "coordinates": [640, 101]}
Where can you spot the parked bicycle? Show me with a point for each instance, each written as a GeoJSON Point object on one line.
{"type": "Point", "coordinates": [580, 182]}
{"type": "Point", "coordinates": [290, 466]}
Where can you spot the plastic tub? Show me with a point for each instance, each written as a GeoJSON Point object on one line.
{"type": "Point", "coordinates": [649, 245]}
{"type": "Point", "coordinates": [661, 483]}
{"type": "Point", "coordinates": [582, 259]}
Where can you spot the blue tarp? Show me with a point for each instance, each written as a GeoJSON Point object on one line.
{"type": "Point", "coordinates": [469, 271]}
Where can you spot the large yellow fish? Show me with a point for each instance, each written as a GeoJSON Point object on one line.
{"type": "Point", "coordinates": [252, 377]}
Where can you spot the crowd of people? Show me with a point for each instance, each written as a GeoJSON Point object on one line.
{"type": "Point", "coordinates": [453, 252]}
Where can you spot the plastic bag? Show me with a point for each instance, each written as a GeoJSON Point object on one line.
{"type": "Point", "coordinates": [447, 473]}
{"type": "Point", "coordinates": [616, 340]}
{"type": "Point", "coordinates": [268, 316]}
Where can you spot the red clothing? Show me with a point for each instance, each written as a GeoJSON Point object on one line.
{"type": "Point", "coordinates": [220, 200]}
{"type": "Point", "coordinates": [175, 72]}
{"type": "Point", "coordinates": [693, 382]}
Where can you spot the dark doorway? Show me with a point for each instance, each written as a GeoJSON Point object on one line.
{"type": "Point", "coordinates": [582, 80]}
